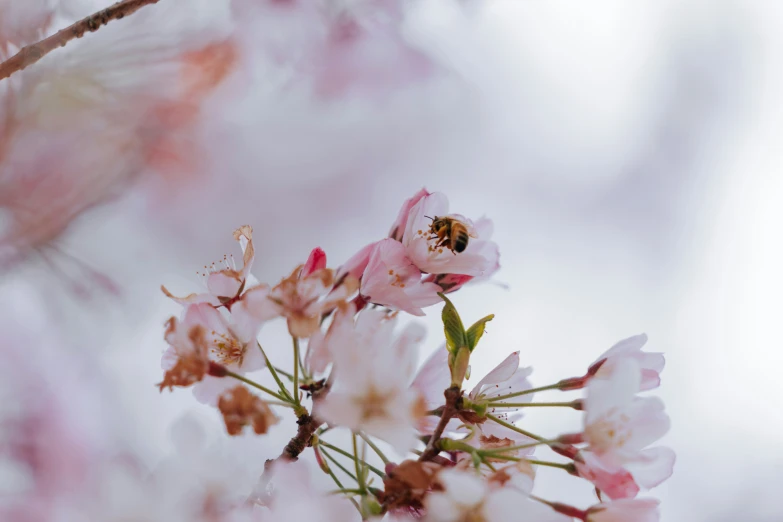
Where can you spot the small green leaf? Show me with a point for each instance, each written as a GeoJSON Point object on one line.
{"type": "Point", "coordinates": [475, 332]}
{"type": "Point", "coordinates": [452, 326]}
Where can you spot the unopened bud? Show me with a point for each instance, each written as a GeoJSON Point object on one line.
{"type": "Point", "coordinates": [217, 370]}
{"type": "Point", "coordinates": [370, 507]}
{"type": "Point", "coordinates": [459, 366]}
{"type": "Point", "coordinates": [319, 457]}
{"type": "Point", "coordinates": [573, 383]}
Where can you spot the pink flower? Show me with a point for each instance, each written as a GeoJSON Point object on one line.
{"type": "Point", "coordinates": [398, 228]}
{"type": "Point", "coordinates": [615, 482]}
{"type": "Point", "coordinates": [651, 364]}
{"type": "Point", "coordinates": [465, 495]}
{"type": "Point", "coordinates": [304, 296]}
{"type": "Point", "coordinates": [230, 343]}
{"type": "Point", "coordinates": [21, 23]}
{"type": "Point", "coordinates": [366, 53]}
{"type": "Point", "coordinates": [480, 258]}
{"type": "Point", "coordinates": [372, 368]}
{"type": "Point", "coordinates": [391, 279]}
{"type": "Point", "coordinates": [627, 510]}
{"type": "Point", "coordinates": [507, 377]}
{"type": "Point", "coordinates": [618, 425]}
{"type": "Point", "coordinates": [223, 281]}
{"type": "Point", "coordinates": [646, 470]}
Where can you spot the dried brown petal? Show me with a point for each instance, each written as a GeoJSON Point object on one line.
{"type": "Point", "coordinates": [192, 361]}
{"type": "Point", "coordinates": [241, 408]}
{"type": "Point", "coordinates": [406, 485]}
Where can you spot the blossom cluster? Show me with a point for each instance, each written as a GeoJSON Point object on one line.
{"type": "Point", "coordinates": [463, 455]}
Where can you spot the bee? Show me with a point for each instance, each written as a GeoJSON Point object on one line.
{"type": "Point", "coordinates": [451, 232]}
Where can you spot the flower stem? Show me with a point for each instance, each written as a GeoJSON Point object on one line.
{"type": "Point", "coordinates": [567, 467]}
{"type": "Point", "coordinates": [259, 386]}
{"type": "Point", "coordinates": [515, 448]}
{"type": "Point", "coordinates": [337, 481]}
{"type": "Point", "coordinates": [356, 459]}
{"type": "Point", "coordinates": [272, 370]}
{"type": "Point", "coordinates": [346, 454]}
{"type": "Point", "coordinates": [514, 428]}
{"type": "Point", "coordinates": [337, 463]}
{"type": "Point", "coordinates": [570, 404]}
{"type": "Point", "coordinates": [284, 374]}
{"type": "Point", "coordinates": [296, 370]}
{"type": "Point", "coordinates": [555, 386]}
{"type": "Point", "coordinates": [279, 403]}
{"type": "Point", "coordinates": [375, 448]}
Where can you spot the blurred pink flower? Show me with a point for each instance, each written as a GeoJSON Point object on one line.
{"type": "Point", "coordinates": [651, 363]}
{"type": "Point", "coordinates": [626, 510]}
{"type": "Point", "coordinates": [368, 55]}
{"type": "Point", "coordinates": [480, 258]}
{"type": "Point", "coordinates": [81, 126]}
{"type": "Point", "coordinates": [293, 497]}
{"type": "Point", "coordinates": [22, 23]}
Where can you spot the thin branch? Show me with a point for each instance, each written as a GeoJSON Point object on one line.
{"type": "Point", "coordinates": [453, 398]}
{"type": "Point", "coordinates": [308, 424]}
{"type": "Point", "coordinates": [30, 54]}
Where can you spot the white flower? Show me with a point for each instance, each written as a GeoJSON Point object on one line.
{"type": "Point", "coordinates": [371, 391]}
{"type": "Point", "coordinates": [468, 497]}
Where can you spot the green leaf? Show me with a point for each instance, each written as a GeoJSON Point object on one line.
{"type": "Point", "coordinates": [475, 332]}
{"type": "Point", "coordinates": [452, 326]}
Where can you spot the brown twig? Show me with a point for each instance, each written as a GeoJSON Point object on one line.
{"type": "Point", "coordinates": [30, 54]}
{"type": "Point", "coordinates": [453, 399]}
{"type": "Point", "coordinates": [307, 425]}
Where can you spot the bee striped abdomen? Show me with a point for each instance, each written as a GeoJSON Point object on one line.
{"type": "Point", "coordinates": [459, 237]}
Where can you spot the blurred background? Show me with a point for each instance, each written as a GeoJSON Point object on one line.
{"type": "Point", "coordinates": [628, 153]}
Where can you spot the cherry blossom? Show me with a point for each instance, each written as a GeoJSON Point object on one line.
{"type": "Point", "coordinates": [241, 408]}
{"type": "Point", "coordinates": [480, 258]}
{"type": "Point", "coordinates": [372, 368]}
{"type": "Point", "coordinates": [69, 145]}
{"type": "Point", "coordinates": [228, 342]}
{"type": "Point", "coordinates": [651, 363]}
{"type": "Point", "coordinates": [391, 279]}
{"type": "Point", "coordinates": [366, 54]}
{"type": "Point", "coordinates": [507, 377]}
{"type": "Point", "coordinates": [627, 510]}
{"type": "Point", "coordinates": [618, 424]}
{"type": "Point", "coordinates": [224, 283]}
{"type": "Point", "coordinates": [467, 497]}
{"type": "Point", "coordinates": [646, 470]}
{"type": "Point", "coordinates": [22, 22]}
{"type": "Point", "coordinates": [305, 296]}
{"type": "Point", "coordinates": [615, 482]}
{"type": "Point", "coordinates": [400, 224]}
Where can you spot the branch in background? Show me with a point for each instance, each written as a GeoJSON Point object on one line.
{"type": "Point", "coordinates": [30, 54]}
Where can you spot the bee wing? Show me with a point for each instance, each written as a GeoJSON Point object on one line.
{"type": "Point", "coordinates": [465, 221]}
